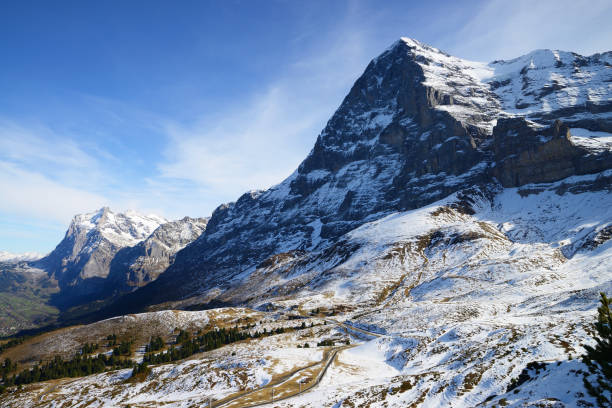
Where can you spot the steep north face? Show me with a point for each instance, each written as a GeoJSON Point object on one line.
{"type": "Point", "coordinates": [417, 126]}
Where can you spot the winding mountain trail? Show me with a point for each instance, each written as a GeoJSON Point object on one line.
{"type": "Point", "coordinates": [353, 328]}
{"type": "Point", "coordinates": [288, 386]}
{"type": "Point", "coordinates": [285, 387]}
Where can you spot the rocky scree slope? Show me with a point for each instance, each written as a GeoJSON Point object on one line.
{"type": "Point", "coordinates": [417, 126]}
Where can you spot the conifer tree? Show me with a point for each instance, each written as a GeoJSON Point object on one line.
{"type": "Point", "coordinates": [599, 357]}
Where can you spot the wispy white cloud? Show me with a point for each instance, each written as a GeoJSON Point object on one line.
{"type": "Point", "coordinates": [49, 176]}
{"type": "Point", "coordinates": [34, 147]}
{"type": "Point", "coordinates": [34, 195]}
{"type": "Point", "coordinates": [261, 140]}
{"type": "Point", "coordinates": [507, 29]}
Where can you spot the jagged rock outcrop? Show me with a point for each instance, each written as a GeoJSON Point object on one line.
{"type": "Point", "coordinates": [525, 153]}
{"type": "Point", "coordinates": [141, 264]}
{"type": "Point", "coordinates": [391, 145]}
{"type": "Point", "coordinates": [106, 253]}
{"type": "Point", "coordinates": [528, 153]}
{"type": "Point", "coordinates": [458, 294]}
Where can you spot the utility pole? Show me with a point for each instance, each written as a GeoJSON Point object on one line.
{"type": "Point", "coordinates": [272, 394]}
{"type": "Point", "coordinates": [209, 402]}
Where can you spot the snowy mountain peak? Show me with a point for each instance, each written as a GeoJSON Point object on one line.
{"type": "Point", "coordinates": [122, 229]}
{"type": "Point", "coordinates": [460, 212]}
{"type": "Point", "coordinates": [547, 85]}
{"type": "Point", "coordinates": [415, 44]}
{"type": "Point", "coordinates": [81, 261]}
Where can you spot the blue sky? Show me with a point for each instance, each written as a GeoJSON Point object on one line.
{"type": "Point", "coordinates": [176, 107]}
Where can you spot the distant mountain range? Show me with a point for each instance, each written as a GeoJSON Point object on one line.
{"type": "Point", "coordinates": [105, 252]}
{"type": "Point", "coordinates": [25, 256]}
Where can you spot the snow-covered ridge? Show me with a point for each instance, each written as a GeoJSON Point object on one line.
{"type": "Point", "coordinates": [124, 229]}
{"type": "Point", "coordinates": [397, 224]}
{"type": "Point", "coordinates": [416, 126]}
{"type": "Point", "coordinates": [549, 80]}
{"type": "Point", "coordinates": [533, 85]}
{"type": "Point", "coordinates": [25, 256]}
{"type": "Point", "coordinates": [469, 98]}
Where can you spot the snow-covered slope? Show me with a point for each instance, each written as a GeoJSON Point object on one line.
{"type": "Point", "coordinates": [546, 85]}
{"type": "Point", "coordinates": [465, 294]}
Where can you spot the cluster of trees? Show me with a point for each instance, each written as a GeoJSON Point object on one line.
{"type": "Point", "coordinates": [123, 349]}
{"type": "Point", "coordinates": [204, 342]}
{"type": "Point", "coordinates": [89, 348]}
{"type": "Point", "coordinates": [82, 364]}
{"type": "Point", "coordinates": [78, 366]}
{"type": "Point", "coordinates": [7, 367]}
{"type": "Point", "coordinates": [12, 343]}
{"type": "Point", "coordinates": [183, 336]}
{"type": "Point", "coordinates": [155, 344]}
{"type": "Point", "coordinates": [599, 357]}
{"type": "Point", "coordinates": [210, 340]}
{"type": "Point", "coordinates": [112, 340]}
{"type": "Point", "coordinates": [140, 372]}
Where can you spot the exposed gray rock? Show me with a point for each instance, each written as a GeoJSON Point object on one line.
{"type": "Point", "coordinates": [526, 153]}
{"type": "Point", "coordinates": [141, 264]}
{"type": "Point", "coordinates": [81, 261]}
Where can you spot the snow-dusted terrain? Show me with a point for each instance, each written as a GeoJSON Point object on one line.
{"type": "Point", "coordinates": [465, 296]}
{"type": "Point", "coordinates": [454, 219]}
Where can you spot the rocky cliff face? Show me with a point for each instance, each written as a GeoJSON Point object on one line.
{"type": "Point", "coordinates": [417, 126]}
{"type": "Point", "coordinates": [496, 281]}
{"type": "Point", "coordinates": [138, 265]}
{"type": "Point", "coordinates": [526, 152]}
